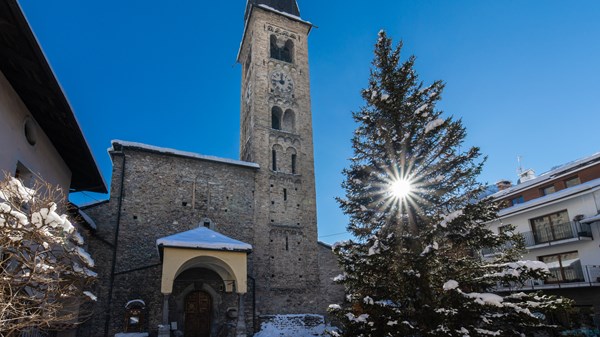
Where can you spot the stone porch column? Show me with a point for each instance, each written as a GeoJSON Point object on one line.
{"type": "Point", "coordinates": [241, 321]}
{"type": "Point", "coordinates": [164, 330]}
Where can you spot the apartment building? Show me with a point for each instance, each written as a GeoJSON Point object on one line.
{"type": "Point", "coordinates": [557, 213]}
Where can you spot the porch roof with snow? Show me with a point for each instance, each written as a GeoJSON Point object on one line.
{"type": "Point", "coordinates": [204, 248]}
{"type": "Point", "coordinates": [203, 238]}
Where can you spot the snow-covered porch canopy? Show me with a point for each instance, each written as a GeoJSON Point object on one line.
{"type": "Point", "coordinates": [204, 248]}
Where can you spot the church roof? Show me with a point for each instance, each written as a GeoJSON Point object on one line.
{"type": "Point", "coordinates": [286, 6]}
{"type": "Point", "coordinates": [203, 238]}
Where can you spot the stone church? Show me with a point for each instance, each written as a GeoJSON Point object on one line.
{"type": "Point", "coordinates": [188, 244]}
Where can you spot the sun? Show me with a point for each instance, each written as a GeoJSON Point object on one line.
{"type": "Point", "coordinates": [400, 188]}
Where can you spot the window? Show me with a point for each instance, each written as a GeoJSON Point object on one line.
{"type": "Point", "coordinates": [551, 227]}
{"type": "Point", "coordinates": [276, 118]}
{"type": "Point", "coordinates": [294, 163]}
{"type": "Point", "coordinates": [208, 223]}
{"type": "Point", "coordinates": [30, 131]}
{"type": "Point", "coordinates": [517, 200]}
{"type": "Point", "coordinates": [285, 194]}
{"type": "Point", "coordinates": [24, 174]}
{"type": "Point", "coordinates": [289, 121]}
{"type": "Point", "coordinates": [282, 51]}
{"type": "Point", "coordinates": [274, 159]}
{"type": "Point", "coordinates": [572, 182]}
{"type": "Point", "coordinates": [548, 190]}
{"type": "Point", "coordinates": [564, 267]}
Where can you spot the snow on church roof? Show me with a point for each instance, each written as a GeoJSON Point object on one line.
{"type": "Point", "coordinates": [203, 238]}
{"type": "Point", "coordinates": [166, 150]}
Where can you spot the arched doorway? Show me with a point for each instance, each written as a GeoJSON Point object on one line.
{"type": "Point", "coordinates": [198, 312]}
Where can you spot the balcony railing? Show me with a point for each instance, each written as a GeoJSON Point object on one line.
{"type": "Point", "coordinates": [552, 234]}
{"type": "Point", "coordinates": [496, 250]}
{"type": "Point", "coordinates": [572, 276]}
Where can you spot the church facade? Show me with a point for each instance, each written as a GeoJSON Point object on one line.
{"type": "Point", "coordinates": [197, 244]}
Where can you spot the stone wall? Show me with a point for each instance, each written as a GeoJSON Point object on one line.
{"type": "Point", "coordinates": [331, 292]}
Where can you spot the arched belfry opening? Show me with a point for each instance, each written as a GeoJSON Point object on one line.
{"type": "Point", "coordinates": [282, 50]}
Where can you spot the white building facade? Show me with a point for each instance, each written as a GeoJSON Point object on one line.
{"type": "Point", "coordinates": [557, 214]}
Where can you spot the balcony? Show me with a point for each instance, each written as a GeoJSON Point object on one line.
{"type": "Point", "coordinates": [556, 234]}
{"type": "Point", "coordinates": [572, 276]}
{"type": "Point", "coordinates": [488, 252]}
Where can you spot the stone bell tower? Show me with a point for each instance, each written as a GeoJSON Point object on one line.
{"type": "Point", "coordinates": [276, 132]}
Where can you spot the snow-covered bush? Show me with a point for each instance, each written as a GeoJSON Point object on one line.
{"type": "Point", "coordinates": [44, 268]}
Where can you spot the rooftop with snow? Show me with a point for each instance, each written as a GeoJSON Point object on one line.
{"type": "Point", "coordinates": [117, 144]}
{"type": "Point", "coordinates": [203, 238]}
{"type": "Point", "coordinates": [546, 176]}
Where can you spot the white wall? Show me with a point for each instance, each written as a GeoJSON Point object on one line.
{"type": "Point", "coordinates": [588, 250]}
{"type": "Point", "coordinates": [42, 158]}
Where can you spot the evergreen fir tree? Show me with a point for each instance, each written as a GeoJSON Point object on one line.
{"type": "Point", "coordinates": [414, 268]}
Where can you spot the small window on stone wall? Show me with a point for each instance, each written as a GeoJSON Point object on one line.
{"type": "Point", "coordinates": [294, 163]}
{"type": "Point", "coordinates": [276, 118]}
{"type": "Point", "coordinates": [208, 223]}
{"type": "Point", "coordinates": [134, 316]}
{"type": "Point", "coordinates": [274, 160]}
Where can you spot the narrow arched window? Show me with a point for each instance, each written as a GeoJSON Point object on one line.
{"type": "Point", "coordinates": [287, 53]}
{"type": "Point", "coordinates": [289, 121]}
{"type": "Point", "coordinates": [291, 163]}
{"type": "Point", "coordinates": [274, 48]}
{"type": "Point", "coordinates": [276, 118]}
{"type": "Point", "coordinates": [274, 159]}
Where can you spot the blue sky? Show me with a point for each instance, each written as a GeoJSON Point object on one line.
{"type": "Point", "coordinates": [522, 75]}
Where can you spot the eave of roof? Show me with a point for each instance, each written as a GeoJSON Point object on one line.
{"type": "Point", "coordinates": [23, 63]}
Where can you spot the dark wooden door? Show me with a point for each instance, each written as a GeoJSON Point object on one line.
{"type": "Point", "coordinates": [197, 314]}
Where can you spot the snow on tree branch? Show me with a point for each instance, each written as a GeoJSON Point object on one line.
{"type": "Point", "coordinates": [44, 268]}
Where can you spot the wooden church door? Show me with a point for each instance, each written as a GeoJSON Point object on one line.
{"type": "Point", "coordinates": [198, 309]}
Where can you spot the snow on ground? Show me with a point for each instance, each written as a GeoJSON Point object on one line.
{"type": "Point", "coordinates": [294, 326]}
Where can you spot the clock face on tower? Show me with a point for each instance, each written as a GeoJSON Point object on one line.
{"type": "Point", "coordinates": [282, 82]}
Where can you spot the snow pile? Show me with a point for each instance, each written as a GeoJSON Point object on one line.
{"type": "Point", "coordinates": [517, 268]}
{"type": "Point", "coordinates": [450, 217]}
{"type": "Point", "coordinates": [293, 326]}
{"type": "Point", "coordinates": [430, 248]}
{"type": "Point", "coordinates": [451, 284]}
{"type": "Point", "coordinates": [434, 124]}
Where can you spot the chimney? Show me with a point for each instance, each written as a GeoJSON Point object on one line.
{"type": "Point", "coordinates": [503, 185]}
{"type": "Point", "coordinates": [526, 175]}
